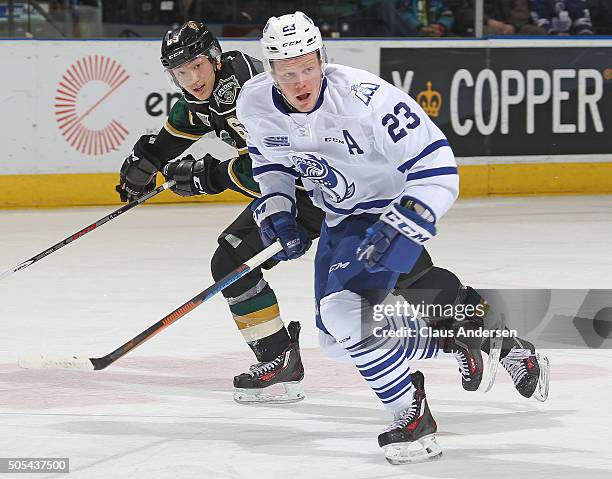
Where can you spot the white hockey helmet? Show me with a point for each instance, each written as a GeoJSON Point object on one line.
{"type": "Point", "coordinates": [290, 36]}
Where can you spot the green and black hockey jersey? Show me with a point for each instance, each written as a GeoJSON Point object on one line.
{"type": "Point", "coordinates": [190, 119]}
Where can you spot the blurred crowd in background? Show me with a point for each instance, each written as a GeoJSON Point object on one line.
{"type": "Point", "coordinates": [336, 18]}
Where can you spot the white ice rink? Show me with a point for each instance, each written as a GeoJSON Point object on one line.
{"type": "Point", "coordinates": [166, 410]}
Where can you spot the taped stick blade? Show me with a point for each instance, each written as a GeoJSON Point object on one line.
{"type": "Point", "coordinates": [45, 361]}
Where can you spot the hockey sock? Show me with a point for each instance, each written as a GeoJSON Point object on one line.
{"type": "Point", "coordinates": [257, 316]}
{"type": "Point", "coordinates": [382, 359]}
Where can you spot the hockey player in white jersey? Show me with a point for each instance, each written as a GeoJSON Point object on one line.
{"type": "Point", "coordinates": [384, 174]}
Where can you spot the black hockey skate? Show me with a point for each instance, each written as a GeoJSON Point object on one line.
{"type": "Point", "coordinates": [469, 358]}
{"type": "Point", "coordinates": [286, 370]}
{"type": "Point", "coordinates": [466, 344]}
{"type": "Point", "coordinates": [411, 437]}
{"type": "Point", "coordinates": [529, 370]}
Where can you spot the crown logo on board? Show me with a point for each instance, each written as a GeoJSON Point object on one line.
{"type": "Point", "coordinates": [430, 100]}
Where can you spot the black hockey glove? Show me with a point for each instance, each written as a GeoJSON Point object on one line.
{"type": "Point", "coordinates": [137, 175]}
{"type": "Point", "coordinates": [193, 177]}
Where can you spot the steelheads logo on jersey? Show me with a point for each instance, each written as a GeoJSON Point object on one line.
{"type": "Point", "coordinates": [333, 183]}
{"type": "Point", "coordinates": [82, 110]}
{"type": "Point", "coordinates": [226, 90]}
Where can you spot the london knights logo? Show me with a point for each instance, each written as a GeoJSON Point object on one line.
{"type": "Point", "coordinates": [226, 90]}
{"type": "Point", "coordinates": [82, 110]}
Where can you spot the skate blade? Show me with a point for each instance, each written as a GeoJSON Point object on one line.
{"type": "Point", "coordinates": [293, 392]}
{"type": "Point", "coordinates": [424, 449]}
{"type": "Point", "coordinates": [541, 392]}
{"type": "Point", "coordinates": [491, 366]}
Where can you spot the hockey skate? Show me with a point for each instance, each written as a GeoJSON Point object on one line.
{"type": "Point", "coordinates": [466, 344]}
{"type": "Point", "coordinates": [411, 436]}
{"type": "Point", "coordinates": [530, 371]}
{"type": "Point", "coordinates": [469, 358]}
{"type": "Point", "coordinates": [284, 371]}
{"type": "Point", "coordinates": [476, 372]}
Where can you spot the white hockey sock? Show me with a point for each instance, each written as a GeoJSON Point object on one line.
{"type": "Point", "coordinates": [382, 359]}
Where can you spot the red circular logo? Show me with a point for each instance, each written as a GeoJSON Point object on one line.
{"type": "Point", "coordinates": [82, 113]}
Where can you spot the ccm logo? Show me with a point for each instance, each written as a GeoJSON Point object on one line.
{"type": "Point", "coordinates": [288, 44]}
{"type": "Point", "coordinates": [398, 222]}
{"type": "Point", "coordinates": [175, 54]}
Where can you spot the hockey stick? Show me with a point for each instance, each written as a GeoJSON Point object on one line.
{"type": "Point", "coordinates": [87, 229]}
{"type": "Point", "coordinates": [49, 362]}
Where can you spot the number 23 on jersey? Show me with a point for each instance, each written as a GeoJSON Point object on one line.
{"type": "Point", "coordinates": [398, 130]}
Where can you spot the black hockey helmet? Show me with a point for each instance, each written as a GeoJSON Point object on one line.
{"type": "Point", "coordinates": [187, 42]}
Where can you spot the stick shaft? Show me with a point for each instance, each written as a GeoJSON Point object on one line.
{"type": "Point", "coordinates": [86, 230]}
{"type": "Point", "coordinates": [242, 270]}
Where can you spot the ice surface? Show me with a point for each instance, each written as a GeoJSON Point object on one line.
{"type": "Point", "coordinates": [166, 409]}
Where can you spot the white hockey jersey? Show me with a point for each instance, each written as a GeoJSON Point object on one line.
{"type": "Point", "coordinates": [365, 145]}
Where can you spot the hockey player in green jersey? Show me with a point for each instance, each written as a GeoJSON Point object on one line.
{"type": "Point", "coordinates": [210, 81]}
